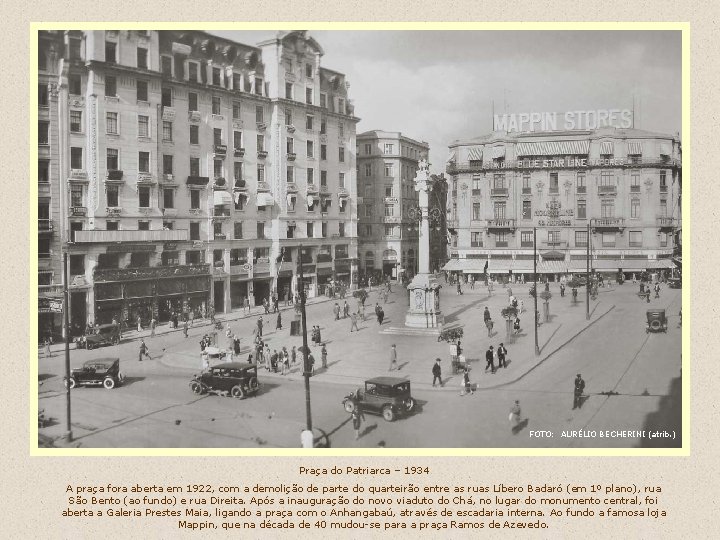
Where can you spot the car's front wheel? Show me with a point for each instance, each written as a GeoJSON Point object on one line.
{"type": "Point", "coordinates": [109, 383]}
{"type": "Point", "coordinates": [253, 384]}
{"type": "Point", "coordinates": [349, 405]}
{"type": "Point", "coordinates": [196, 387]}
{"type": "Point", "coordinates": [388, 413]}
{"type": "Point", "coordinates": [70, 383]}
{"type": "Point", "coordinates": [237, 391]}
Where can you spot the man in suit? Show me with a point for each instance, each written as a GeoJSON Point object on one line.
{"type": "Point", "coordinates": [490, 359]}
{"type": "Point", "coordinates": [393, 358]}
{"type": "Point", "coordinates": [579, 388]}
{"type": "Point", "coordinates": [501, 353]}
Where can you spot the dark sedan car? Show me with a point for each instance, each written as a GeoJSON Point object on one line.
{"type": "Point", "coordinates": [389, 396]}
{"type": "Point", "coordinates": [107, 334]}
{"type": "Point", "coordinates": [103, 372]}
{"type": "Point", "coordinates": [232, 379]}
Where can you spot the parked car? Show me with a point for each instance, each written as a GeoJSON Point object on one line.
{"type": "Point", "coordinates": [656, 321]}
{"type": "Point", "coordinates": [388, 396]}
{"type": "Point", "coordinates": [99, 372]}
{"type": "Point", "coordinates": [232, 378]}
{"type": "Point", "coordinates": [107, 334]}
{"type": "Point", "coordinates": [675, 283]}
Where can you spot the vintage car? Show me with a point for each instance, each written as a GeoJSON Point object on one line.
{"type": "Point", "coordinates": [389, 396]}
{"type": "Point", "coordinates": [107, 334]}
{"type": "Point", "coordinates": [231, 378]}
{"type": "Point", "coordinates": [674, 283]}
{"type": "Point", "coordinates": [99, 372]}
{"type": "Point", "coordinates": [656, 321]}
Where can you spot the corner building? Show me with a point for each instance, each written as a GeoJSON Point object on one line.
{"type": "Point", "coordinates": [386, 165]}
{"type": "Point", "coordinates": [184, 170]}
{"type": "Point", "coordinates": [621, 185]}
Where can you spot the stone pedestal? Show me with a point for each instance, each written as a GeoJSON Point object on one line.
{"type": "Point", "coordinates": [424, 311]}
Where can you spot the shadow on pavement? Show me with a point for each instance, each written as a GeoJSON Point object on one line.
{"type": "Point", "coordinates": [452, 317]}
{"type": "Point", "coordinates": [43, 376]}
{"type": "Point", "coordinates": [550, 338]}
{"type": "Point", "coordinates": [667, 418]}
{"type": "Point", "coordinates": [128, 381]}
{"type": "Point", "coordinates": [521, 425]}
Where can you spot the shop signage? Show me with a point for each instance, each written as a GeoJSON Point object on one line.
{"type": "Point", "coordinates": [50, 305]}
{"type": "Point", "coordinates": [552, 163]}
{"type": "Point", "coordinates": [553, 215]}
{"type": "Point", "coordinates": [391, 200]}
{"type": "Point", "coordinates": [552, 121]}
{"type": "Point", "coordinates": [170, 246]}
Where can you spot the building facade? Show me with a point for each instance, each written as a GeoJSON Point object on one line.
{"type": "Point", "coordinates": [615, 191]}
{"type": "Point", "coordinates": [387, 233]}
{"type": "Point", "coordinates": [190, 168]}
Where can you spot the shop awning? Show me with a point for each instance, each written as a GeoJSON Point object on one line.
{"type": "Point", "coordinates": [552, 148]}
{"type": "Point", "coordinates": [607, 148]}
{"type": "Point", "coordinates": [265, 199]}
{"type": "Point", "coordinates": [311, 199]}
{"type": "Point", "coordinates": [553, 255]}
{"type": "Point", "coordinates": [222, 198]}
{"type": "Point", "coordinates": [498, 152]}
{"type": "Point", "coordinates": [237, 195]}
{"type": "Point", "coordinates": [475, 153]}
{"type": "Point", "coordinates": [635, 148]}
{"type": "Point", "coordinates": [552, 267]}
{"type": "Point", "coordinates": [665, 149]}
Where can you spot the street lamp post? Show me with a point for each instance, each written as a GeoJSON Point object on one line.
{"type": "Point", "coordinates": [587, 276]}
{"type": "Point", "coordinates": [306, 351]}
{"type": "Point", "coordinates": [66, 324]}
{"type": "Point", "coordinates": [535, 318]}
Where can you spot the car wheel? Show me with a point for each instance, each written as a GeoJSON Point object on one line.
{"type": "Point", "coordinates": [388, 413]}
{"type": "Point", "coordinates": [349, 405]}
{"type": "Point", "coordinates": [196, 387]}
{"type": "Point", "coordinates": [109, 383]}
{"type": "Point", "coordinates": [89, 346]}
{"type": "Point", "coordinates": [71, 382]}
{"type": "Point", "coordinates": [237, 391]}
{"type": "Point", "coordinates": [253, 384]}
{"type": "Point", "coordinates": [409, 404]}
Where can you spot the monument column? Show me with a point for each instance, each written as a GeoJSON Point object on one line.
{"type": "Point", "coordinates": [424, 310]}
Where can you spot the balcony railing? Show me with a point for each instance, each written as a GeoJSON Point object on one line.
{"type": "Point", "coordinates": [634, 189]}
{"type": "Point", "coordinates": [499, 192]}
{"type": "Point", "coordinates": [526, 190]}
{"type": "Point", "coordinates": [607, 190]}
{"type": "Point", "coordinates": [501, 244]}
{"type": "Point", "coordinates": [262, 154]}
{"type": "Point", "coordinates": [90, 236]}
{"type": "Point", "coordinates": [558, 244]}
{"type": "Point", "coordinates": [263, 186]}
{"type": "Point", "coordinates": [581, 189]}
{"type": "Point", "coordinates": [500, 223]}
{"type": "Point", "coordinates": [239, 152]}
{"type": "Point", "coordinates": [612, 223]}
{"type": "Point", "coordinates": [666, 221]}
{"type": "Point", "coordinates": [198, 180]}
{"type": "Point", "coordinates": [220, 150]}
{"type": "Point", "coordinates": [663, 189]}
{"type": "Point", "coordinates": [291, 156]}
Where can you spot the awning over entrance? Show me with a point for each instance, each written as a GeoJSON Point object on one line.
{"type": "Point", "coordinates": [553, 256]}
{"type": "Point", "coordinates": [265, 199]}
{"type": "Point", "coordinates": [221, 198]}
{"type": "Point", "coordinates": [475, 153]}
{"type": "Point", "coordinates": [607, 148]}
{"type": "Point", "coordinates": [553, 148]}
{"type": "Point", "coordinates": [635, 148]}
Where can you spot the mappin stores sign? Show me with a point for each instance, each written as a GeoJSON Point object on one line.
{"type": "Point", "coordinates": [552, 121]}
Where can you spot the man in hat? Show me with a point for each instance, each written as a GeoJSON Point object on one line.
{"type": "Point", "coordinates": [490, 359]}
{"type": "Point", "coordinates": [393, 357]}
{"type": "Point", "coordinates": [437, 372]}
{"type": "Point", "coordinates": [579, 388]}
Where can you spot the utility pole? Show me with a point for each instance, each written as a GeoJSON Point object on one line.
{"type": "Point", "coordinates": [587, 276]}
{"type": "Point", "coordinates": [535, 314]}
{"type": "Point", "coordinates": [66, 324]}
{"type": "Point", "coordinates": [306, 350]}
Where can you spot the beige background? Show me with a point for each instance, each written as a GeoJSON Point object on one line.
{"type": "Point", "coordinates": [33, 488]}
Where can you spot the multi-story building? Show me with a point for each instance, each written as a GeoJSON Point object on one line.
{"type": "Point", "coordinates": [386, 165]}
{"type": "Point", "coordinates": [185, 185]}
{"type": "Point", "coordinates": [616, 189]}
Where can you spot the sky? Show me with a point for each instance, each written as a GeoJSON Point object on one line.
{"type": "Point", "coordinates": [440, 86]}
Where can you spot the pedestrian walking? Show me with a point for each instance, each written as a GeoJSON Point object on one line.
{"type": "Point", "coordinates": [514, 417]}
{"type": "Point", "coordinates": [268, 357]}
{"type": "Point", "coordinates": [192, 317]}
{"type": "Point", "coordinates": [472, 282]}
{"type": "Point", "coordinates": [502, 354]}
{"type": "Point", "coordinates": [562, 289]}
{"type": "Point", "coordinates": [353, 322]}
{"type": "Point", "coordinates": [144, 351]}
{"type": "Point", "coordinates": [293, 355]}
{"type": "Point", "coordinates": [185, 328]}
{"type": "Point", "coordinates": [357, 419]}
{"type": "Point", "coordinates": [437, 372]}
{"type": "Point", "coordinates": [657, 290]}
{"type": "Point", "coordinates": [346, 310]}
{"type": "Point", "coordinates": [48, 343]}
{"type": "Point", "coordinates": [458, 290]}
{"type": "Point", "coordinates": [260, 326]}
{"type": "Point", "coordinates": [278, 323]}
{"type": "Point", "coordinates": [381, 316]}
{"type": "Point", "coordinates": [393, 357]}
{"type": "Point", "coordinates": [486, 315]}
{"type": "Point", "coordinates": [139, 323]}
{"type": "Point", "coordinates": [246, 305]}
{"type": "Point", "coordinates": [287, 296]}
{"type": "Point", "coordinates": [205, 361]}
{"type": "Point", "coordinates": [336, 311]}
{"type": "Point", "coordinates": [323, 356]}
{"type": "Point", "coordinates": [490, 359]}
{"type": "Point", "coordinates": [489, 324]}
{"type": "Point", "coordinates": [516, 325]}
{"type": "Point", "coordinates": [175, 320]}
{"type": "Point", "coordinates": [578, 392]}
{"type": "Point", "coordinates": [466, 386]}
{"type": "Point", "coordinates": [153, 324]}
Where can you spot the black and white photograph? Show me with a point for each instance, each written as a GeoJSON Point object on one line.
{"type": "Point", "coordinates": [358, 239]}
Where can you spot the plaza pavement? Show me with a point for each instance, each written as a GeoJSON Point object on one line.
{"type": "Point", "coordinates": [357, 356]}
